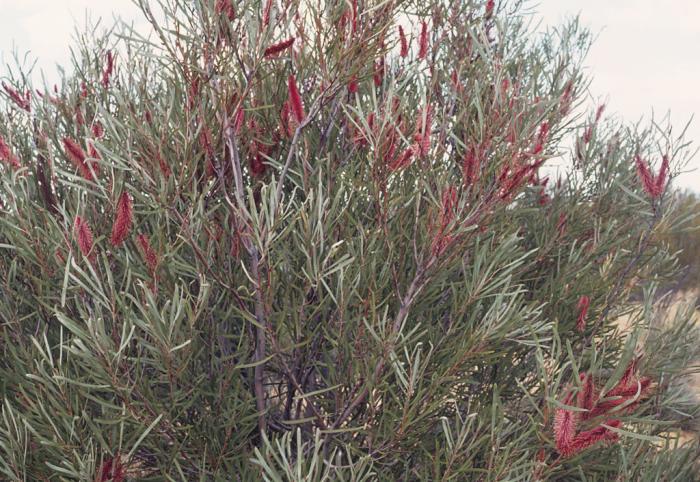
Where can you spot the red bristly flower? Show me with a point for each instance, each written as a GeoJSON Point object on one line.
{"type": "Point", "coordinates": [403, 41]}
{"type": "Point", "coordinates": [225, 7]}
{"type": "Point", "coordinates": [353, 85]}
{"type": "Point", "coordinates": [423, 42]}
{"type": "Point", "coordinates": [76, 154]}
{"type": "Point", "coordinates": [402, 160]}
{"type": "Point", "coordinates": [112, 470]}
{"type": "Point", "coordinates": [295, 99]}
{"type": "Point", "coordinates": [583, 304]}
{"type": "Point", "coordinates": [83, 235]}
{"type": "Point", "coordinates": [97, 129]}
{"type": "Point", "coordinates": [279, 47]}
{"type": "Point", "coordinates": [490, 5]}
{"type": "Point", "coordinates": [653, 185]}
{"type": "Point", "coordinates": [541, 138]}
{"type": "Point", "coordinates": [108, 70]}
{"type": "Point", "coordinates": [565, 422]}
{"type": "Point", "coordinates": [7, 156]}
{"type": "Point", "coordinates": [22, 102]}
{"type": "Point", "coordinates": [149, 255]}
{"type": "Point", "coordinates": [123, 220]}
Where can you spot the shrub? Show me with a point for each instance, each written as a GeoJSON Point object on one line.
{"type": "Point", "coordinates": [317, 241]}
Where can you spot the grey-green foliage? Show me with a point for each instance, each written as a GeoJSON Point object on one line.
{"type": "Point", "coordinates": [393, 322]}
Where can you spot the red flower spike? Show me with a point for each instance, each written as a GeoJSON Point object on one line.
{"type": "Point", "coordinates": [295, 99]}
{"type": "Point", "coordinates": [379, 72]}
{"type": "Point", "coordinates": [149, 255]}
{"type": "Point", "coordinates": [76, 154]}
{"type": "Point", "coordinates": [423, 41]}
{"type": "Point", "coordinates": [490, 5]}
{"type": "Point", "coordinates": [225, 7]}
{"type": "Point", "coordinates": [663, 175]}
{"type": "Point", "coordinates": [353, 85]}
{"type": "Point", "coordinates": [112, 470]}
{"type": "Point", "coordinates": [83, 235]}
{"type": "Point", "coordinates": [583, 304]}
{"type": "Point", "coordinates": [279, 47]}
{"type": "Point", "coordinates": [541, 138]}
{"type": "Point", "coordinates": [653, 185]}
{"type": "Point", "coordinates": [590, 437]}
{"type": "Point", "coordinates": [565, 422]}
{"type": "Point", "coordinates": [7, 156]}
{"type": "Point", "coordinates": [97, 129]}
{"type": "Point", "coordinates": [21, 102]}
{"type": "Point", "coordinates": [402, 161]}
{"type": "Point", "coordinates": [108, 70]}
{"type": "Point", "coordinates": [266, 13]}
{"type": "Point", "coordinates": [599, 112]}
{"type": "Point", "coordinates": [403, 42]}
{"type": "Point", "coordinates": [123, 220]}
{"type": "Point", "coordinates": [470, 167]}
{"type": "Point", "coordinates": [586, 396]}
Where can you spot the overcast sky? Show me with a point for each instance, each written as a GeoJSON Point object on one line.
{"type": "Point", "coordinates": [645, 56]}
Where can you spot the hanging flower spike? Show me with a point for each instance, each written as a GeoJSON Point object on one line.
{"type": "Point", "coordinates": [21, 102]}
{"type": "Point", "coordinates": [92, 158]}
{"type": "Point", "coordinates": [7, 156]}
{"type": "Point", "coordinates": [470, 166]}
{"type": "Point", "coordinates": [83, 235]}
{"type": "Point", "coordinates": [403, 42]}
{"type": "Point", "coordinates": [583, 304]}
{"type": "Point", "coordinates": [278, 47]}
{"type": "Point", "coordinates": [123, 220]}
{"type": "Point", "coordinates": [295, 99]}
{"type": "Point", "coordinates": [423, 41]}
{"type": "Point", "coordinates": [149, 255]}
{"type": "Point", "coordinates": [108, 70]}
{"type": "Point", "coordinates": [76, 154]}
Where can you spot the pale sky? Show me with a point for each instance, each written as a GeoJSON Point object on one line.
{"type": "Point", "coordinates": [644, 58]}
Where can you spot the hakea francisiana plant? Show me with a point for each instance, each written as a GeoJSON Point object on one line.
{"type": "Point", "coordinates": [123, 219]}
{"type": "Point", "coordinates": [569, 435]}
{"type": "Point", "coordinates": [347, 253]}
